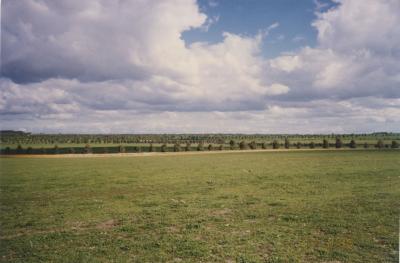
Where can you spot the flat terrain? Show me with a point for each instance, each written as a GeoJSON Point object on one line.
{"type": "Point", "coordinates": [283, 206]}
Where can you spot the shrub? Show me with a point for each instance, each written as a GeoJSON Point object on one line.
{"type": "Point", "coordinates": [232, 144]}
{"type": "Point", "coordinates": [210, 147]}
{"type": "Point", "coordinates": [275, 144]}
{"type": "Point", "coordinates": [395, 145]}
{"type": "Point", "coordinates": [352, 144]}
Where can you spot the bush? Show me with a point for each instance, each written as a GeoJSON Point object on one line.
{"type": "Point", "coordinates": [200, 146]}
{"type": "Point", "coordinates": [325, 144]}
{"type": "Point", "coordinates": [210, 147]}
{"type": "Point", "coordinates": [352, 144]}
{"type": "Point", "coordinates": [298, 145]}
{"type": "Point", "coordinates": [275, 144]}
{"type": "Point", "coordinates": [395, 145]}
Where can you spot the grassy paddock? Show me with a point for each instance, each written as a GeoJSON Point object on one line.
{"type": "Point", "coordinates": [308, 206]}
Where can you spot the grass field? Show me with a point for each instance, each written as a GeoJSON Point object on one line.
{"type": "Point", "coordinates": [300, 206]}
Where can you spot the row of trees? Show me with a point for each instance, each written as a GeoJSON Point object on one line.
{"type": "Point", "coordinates": [177, 147]}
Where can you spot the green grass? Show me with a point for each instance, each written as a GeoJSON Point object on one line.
{"type": "Point", "coordinates": [311, 206]}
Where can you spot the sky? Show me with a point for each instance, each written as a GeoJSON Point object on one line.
{"type": "Point", "coordinates": [206, 66]}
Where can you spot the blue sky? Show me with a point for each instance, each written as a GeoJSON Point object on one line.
{"type": "Point", "coordinates": [248, 17]}
{"type": "Point", "coordinates": [132, 66]}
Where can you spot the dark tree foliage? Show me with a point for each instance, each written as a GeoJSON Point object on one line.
{"type": "Point", "coordinates": [177, 147]}
{"type": "Point", "coordinates": [242, 145]}
{"type": "Point", "coordinates": [263, 145]}
{"type": "Point", "coordinates": [312, 145]}
{"type": "Point", "coordinates": [380, 144]}
{"type": "Point", "coordinates": [298, 145]}
{"type": "Point", "coordinates": [395, 145]}
{"type": "Point", "coordinates": [275, 144]}
{"type": "Point", "coordinates": [232, 144]}
{"type": "Point", "coordinates": [200, 146]}
{"type": "Point", "coordinates": [221, 147]}
{"type": "Point", "coordinates": [287, 143]}
{"type": "Point", "coordinates": [253, 145]}
{"type": "Point", "coordinates": [352, 144]}
{"type": "Point", "coordinates": [210, 147]}
{"type": "Point", "coordinates": [325, 144]}
{"type": "Point", "coordinates": [163, 148]}
{"type": "Point", "coordinates": [338, 143]}
{"type": "Point", "coordinates": [187, 147]}
{"type": "Point", "coordinates": [121, 149]}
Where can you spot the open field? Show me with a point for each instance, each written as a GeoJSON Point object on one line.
{"type": "Point", "coordinates": [283, 206]}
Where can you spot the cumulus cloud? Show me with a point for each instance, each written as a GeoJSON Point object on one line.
{"type": "Point", "coordinates": [110, 66]}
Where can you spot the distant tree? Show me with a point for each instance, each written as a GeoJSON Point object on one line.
{"type": "Point", "coordinates": [121, 149]}
{"type": "Point", "coordinates": [352, 144]}
{"type": "Point", "coordinates": [87, 148]}
{"type": "Point", "coordinates": [338, 143]}
{"type": "Point", "coordinates": [210, 147]}
{"type": "Point", "coordinates": [187, 147]}
{"type": "Point", "coordinates": [56, 150]}
{"type": "Point", "coordinates": [177, 147]}
{"type": "Point", "coordinates": [298, 145]}
{"type": "Point", "coordinates": [232, 144]}
{"type": "Point", "coordinates": [242, 145]}
{"type": "Point", "coordinates": [275, 144]}
{"type": "Point", "coordinates": [325, 144]}
{"type": "Point", "coordinates": [312, 145]}
{"type": "Point", "coordinates": [163, 148]}
{"type": "Point", "coordinates": [29, 150]}
{"type": "Point", "coordinates": [200, 146]}
{"type": "Point", "coordinates": [253, 145]}
{"type": "Point", "coordinates": [366, 145]}
{"type": "Point", "coordinates": [221, 147]}
{"type": "Point", "coordinates": [263, 145]}
{"type": "Point", "coordinates": [287, 143]}
{"type": "Point", "coordinates": [395, 145]}
{"type": "Point", "coordinates": [380, 144]}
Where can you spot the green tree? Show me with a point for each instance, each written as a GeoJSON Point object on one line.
{"type": "Point", "coordinates": [200, 146]}
{"type": "Point", "coordinates": [325, 144]}
{"type": "Point", "coordinates": [253, 145]}
{"type": "Point", "coordinates": [187, 147]}
{"type": "Point", "coordinates": [287, 143]}
{"type": "Point", "coordinates": [352, 144]}
{"type": "Point", "coordinates": [298, 145]}
{"type": "Point", "coordinates": [395, 145]}
{"type": "Point", "coordinates": [263, 145]}
{"type": "Point", "coordinates": [242, 145]}
{"type": "Point", "coordinates": [210, 147]}
{"type": "Point", "coordinates": [338, 143]}
{"type": "Point", "coordinates": [163, 148]}
{"type": "Point", "coordinates": [232, 144]}
{"type": "Point", "coordinates": [275, 144]}
{"type": "Point", "coordinates": [380, 144]}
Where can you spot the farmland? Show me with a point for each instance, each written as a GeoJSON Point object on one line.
{"type": "Point", "coordinates": [293, 206]}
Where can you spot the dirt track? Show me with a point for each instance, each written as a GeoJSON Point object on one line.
{"type": "Point", "coordinates": [143, 154]}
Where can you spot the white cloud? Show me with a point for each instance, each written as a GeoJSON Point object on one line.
{"type": "Point", "coordinates": [102, 65]}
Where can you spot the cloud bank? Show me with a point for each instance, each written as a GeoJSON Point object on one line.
{"type": "Point", "coordinates": [122, 66]}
